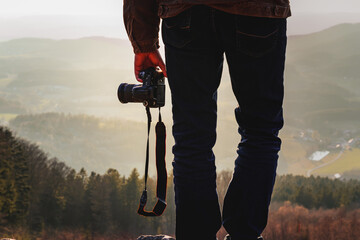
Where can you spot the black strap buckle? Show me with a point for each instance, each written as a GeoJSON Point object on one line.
{"type": "Point", "coordinates": [160, 167]}
{"type": "Point", "coordinates": [158, 209]}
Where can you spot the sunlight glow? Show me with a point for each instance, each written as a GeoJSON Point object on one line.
{"type": "Point", "coordinates": [45, 7]}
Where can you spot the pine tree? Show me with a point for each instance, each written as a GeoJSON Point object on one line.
{"type": "Point", "coordinates": [5, 168]}
{"type": "Point", "coordinates": [98, 203]}
{"type": "Point", "coordinates": [52, 195]}
{"type": "Point", "coordinates": [74, 195]}
{"type": "Point", "coordinates": [113, 180]}
{"type": "Point", "coordinates": [21, 183]}
{"type": "Point", "coordinates": [131, 193]}
{"type": "Point", "coordinates": [7, 185]}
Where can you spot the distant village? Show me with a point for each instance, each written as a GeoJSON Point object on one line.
{"type": "Point", "coordinates": [349, 139]}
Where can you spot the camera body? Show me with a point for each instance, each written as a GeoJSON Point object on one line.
{"type": "Point", "coordinates": [151, 92]}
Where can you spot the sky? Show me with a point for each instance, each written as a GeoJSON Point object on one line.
{"type": "Point", "coordinates": [325, 6]}
{"type": "Point", "coordinates": [113, 7]}
{"type": "Point", "coordinates": [71, 7]}
{"type": "Point", "coordinates": [59, 19]}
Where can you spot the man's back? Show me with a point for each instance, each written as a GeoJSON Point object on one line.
{"type": "Point", "coordinates": [142, 17]}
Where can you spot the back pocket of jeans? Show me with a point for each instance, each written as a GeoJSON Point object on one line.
{"type": "Point", "coordinates": [256, 36]}
{"type": "Point", "coordinates": [176, 31]}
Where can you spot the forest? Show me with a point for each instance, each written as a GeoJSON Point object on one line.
{"type": "Point", "coordinates": [41, 197]}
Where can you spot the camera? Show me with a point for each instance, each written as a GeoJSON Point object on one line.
{"type": "Point", "coordinates": [151, 92]}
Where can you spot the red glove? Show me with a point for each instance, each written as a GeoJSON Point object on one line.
{"type": "Point", "coordinates": [146, 60]}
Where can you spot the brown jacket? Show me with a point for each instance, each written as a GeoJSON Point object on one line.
{"type": "Point", "coordinates": [142, 17]}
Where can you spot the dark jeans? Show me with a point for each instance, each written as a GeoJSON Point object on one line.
{"type": "Point", "coordinates": [195, 43]}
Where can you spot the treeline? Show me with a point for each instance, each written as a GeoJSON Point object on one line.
{"type": "Point", "coordinates": [40, 196]}
{"type": "Point", "coordinates": [86, 139]}
{"type": "Point", "coordinates": [317, 192]}
{"type": "Point", "coordinates": [291, 221]}
{"type": "Point", "coordinates": [299, 223]}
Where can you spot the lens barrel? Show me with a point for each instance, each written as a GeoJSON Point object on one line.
{"type": "Point", "coordinates": [151, 93]}
{"type": "Point", "coordinates": [125, 94]}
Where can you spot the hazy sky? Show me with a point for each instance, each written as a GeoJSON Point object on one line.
{"type": "Point", "coordinates": [113, 7]}
{"type": "Point", "coordinates": [35, 7]}
{"type": "Point", "coordinates": [60, 19]}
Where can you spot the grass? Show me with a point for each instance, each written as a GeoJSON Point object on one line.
{"type": "Point", "coordinates": [293, 150]}
{"type": "Point", "coordinates": [348, 161]}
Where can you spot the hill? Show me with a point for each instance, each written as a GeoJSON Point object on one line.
{"type": "Point", "coordinates": [78, 76]}
{"type": "Point", "coordinates": [322, 79]}
{"type": "Point", "coordinates": [84, 141]}
{"type": "Point", "coordinates": [81, 76]}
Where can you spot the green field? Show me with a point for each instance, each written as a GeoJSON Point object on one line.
{"type": "Point", "coordinates": [348, 161]}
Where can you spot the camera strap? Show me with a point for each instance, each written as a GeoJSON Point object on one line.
{"type": "Point", "coordinates": [161, 184]}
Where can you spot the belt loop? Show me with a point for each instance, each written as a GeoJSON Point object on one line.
{"type": "Point", "coordinates": [162, 10]}
{"type": "Point", "coordinates": [268, 11]}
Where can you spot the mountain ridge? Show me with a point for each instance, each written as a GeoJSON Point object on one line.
{"type": "Point", "coordinates": [81, 76]}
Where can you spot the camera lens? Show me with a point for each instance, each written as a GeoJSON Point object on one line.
{"type": "Point", "coordinates": [125, 92]}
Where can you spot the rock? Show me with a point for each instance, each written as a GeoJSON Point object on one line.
{"type": "Point", "coordinates": [155, 237]}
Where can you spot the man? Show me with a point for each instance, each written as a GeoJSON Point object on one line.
{"type": "Point", "coordinates": [197, 34]}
